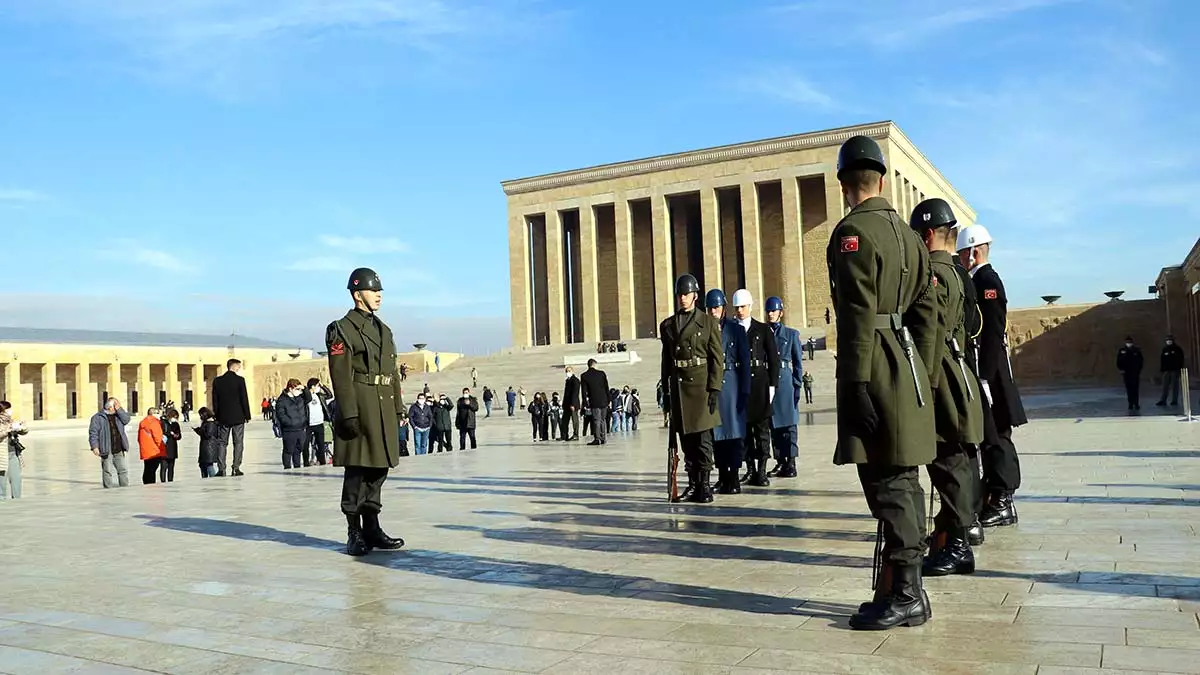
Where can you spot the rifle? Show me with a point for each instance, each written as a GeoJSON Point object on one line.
{"type": "Point", "coordinates": [672, 460]}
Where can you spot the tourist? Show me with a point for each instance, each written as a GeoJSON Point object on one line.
{"type": "Point", "coordinates": [292, 415]}
{"type": "Point", "coordinates": [487, 402]}
{"type": "Point", "coordinates": [626, 403]}
{"type": "Point", "coordinates": [186, 409]}
{"type": "Point", "coordinates": [555, 414]}
{"type": "Point", "coordinates": [464, 420]}
{"type": "Point", "coordinates": [807, 381]}
{"type": "Point", "coordinates": [16, 454]}
{"type": "Point", "coordinates": [442, 425]}
{"type": "Point", "coordinates": [538, 416]}
{"type": "Point", "coordinates": [615, 413]}
{"type": "Point", "coordinates": [210, 443]}
{"type": "Point", "coordinates": [316, 398]}
{"type": "Point", "coordinates": [474, 377]}
{"type": "Point", "coordinates": [108, 441]}
{"type": "Point", "coordinates": [420, 418]}
{"type": "Point", "coordinates": [1129, 362]}
{"type": "Point", "coordinates": [151, 445]}
{"type": "Point", "coordinates": [521, 396]}
{"type": "Point", "coordinates": [510, 397]}
{"type": "Point", "coordinates": [171, 435]}
{"type": "Point", "coordinates": [402, 433]}
{"type": "Point", "coordinates": [231, 407]}
{"type": "Point", "coordinates": [9, 461]}
{"type": "Point", "coordinates": [266, 409]}
{"type": "Point", "coordinates": [811, 345]}
{"type": "Point", "coordinates": [1171, 362]}
{"type": "Point", "coordinates": [571, 406]}
{"type": "Point", "coordinates": [633, 409]}
{"type": "Point", "coordinates": [594, 385]}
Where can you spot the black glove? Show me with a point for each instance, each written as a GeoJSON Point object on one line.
{"type": "Point", "coordinates": [862, 410]}
{"type": "Point", "coordinates": [350, 429]}
{"type": "Point", "coordinates": [713, 396]}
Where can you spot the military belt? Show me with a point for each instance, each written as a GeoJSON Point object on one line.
{"type": "Point", "coordinates": [384, 380]}
{"type": "Point", "coordinates": [691, 363]}
{"type": "Point", "coordinates": [732, 366]}
{"type": "Point", "coordinates": [888, 321]}
{"type": "Point", "coordinates": [785, 363]}
{"type": "Point", "coordinates": [755, 363]}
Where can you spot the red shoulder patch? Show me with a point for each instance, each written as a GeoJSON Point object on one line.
{"type": "Point", "coordinates": [850, 244]}
{"type": "Point", "coordinates": [935, 281]}
{"type": "Point", "coordinates": [337, 349]}
{"type": "Point", "coordinates": [989, 294]}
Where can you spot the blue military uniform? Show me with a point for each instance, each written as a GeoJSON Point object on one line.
{"type": "Point", "coordinates": [728, 439]}
{"type": "Point", "coordinates": [785, 408]}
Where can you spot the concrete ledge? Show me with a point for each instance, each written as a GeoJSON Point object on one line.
{"type": "Point", "coordinates": [607, 358]}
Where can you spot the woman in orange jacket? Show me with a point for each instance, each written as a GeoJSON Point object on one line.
{"type": "Point", "coordinates": [151, 444]}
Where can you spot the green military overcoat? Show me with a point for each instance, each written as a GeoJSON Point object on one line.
{"type": "Point", "coordinates": [696, 340]}
{"type": "Point", "coordinates": [957, 410]}
{"type": "Point", "coordinates": [879, 277]}
{"type": "Point", "coordinates": [362, 368]}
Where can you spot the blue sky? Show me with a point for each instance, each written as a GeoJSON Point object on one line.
{"type": "Point", "coordinates": [218, 165]}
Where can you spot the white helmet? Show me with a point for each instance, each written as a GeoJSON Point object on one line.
{"type": "Point", "coordinates": [972, 236]}
{"type": "Point", "coordinates": [741, 298]}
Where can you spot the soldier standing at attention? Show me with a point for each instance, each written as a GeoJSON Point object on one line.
{"type": "Point", "coordinates": [958, 415]}
{"type": "Point", "coordinates": [1001, 466]}
{"type": "Point", "coordinates": [362, 369]}
{"type": "Point", "coordinates": [973, 323]}
{"type": "Point", "coordinates": [728, 438]}
{"type": "Point", "coordinates": [881, 282]}
{"type": "Point", "coordinates": [785, 406]}
{"type": "Point", "coordinates": [764, 376]}
{"type": "Point", "coordinates": [692, 368]}
{"type": "Point", "coordinates": [1129, 362]}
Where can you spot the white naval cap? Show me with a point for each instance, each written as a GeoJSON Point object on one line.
{"type": "Point", "coordinates": [972, 236]}
{"type": "Point", "coordinates": [742, 298]}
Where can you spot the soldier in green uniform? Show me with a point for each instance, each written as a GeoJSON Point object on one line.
{"type": "Point", "coordinates": [362, 369]}
{"type": "Point", "coordinates": [693, 366]}
{"type": "Point", "coordinates": [880, 282]}
{"type": "Point", "coordinates": [958, 414]}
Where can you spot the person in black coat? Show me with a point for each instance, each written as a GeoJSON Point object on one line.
{"type": "Point", "coordinates": [171, 435]}
{"type": "Point", "coordinates": [441, 425]}
{"type": "Point", "coordinates": [291, 412]}
{"type": "Point", "coordinates": [539, 412]}
{"type": "Point", "coordinates": [210, 443]}
{"type": "Point", "coordinates": [1001, 465]}
{"type": "Point", "coordinates": [571, 406]}
{"type": "Point", "coordinates": [594, 387]}
{"type": "Point", "coordinates": [1129, 362]}
{"type": "Point", "coordinates": [464, 420]}
{"type": "Point", "coordinates": [231, 409]}
{"type": "Point", "coordinates": [1170, 363]}
{"type": "Point", "coordinates": [764, 375]}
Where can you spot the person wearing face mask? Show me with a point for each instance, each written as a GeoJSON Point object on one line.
{"type": "Point", "coordinates": [420, 418]}
{"type": "Point", "coordinates": [1171, 362]}
{"type": "Point", "coordinates": [151, 444]}
{"type": "Point", "coordinates": [291, 412]}
{"type": "Point", "coordinates": [1129, 362]}
{"type": "Point", "coordinates": [764, 376]}
{"type": "Point", "coordinates": [998, 454]}
{"type": "Point", "coordinates": [442, 424]}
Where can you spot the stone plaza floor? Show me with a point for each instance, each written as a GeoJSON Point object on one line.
{"type": "Point", "coordinates": [564, 558]}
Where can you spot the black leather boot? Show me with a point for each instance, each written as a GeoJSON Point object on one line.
{"type": "Point", "coordinates": [749, 471]}
{"type": "Point", "coordinates": [975, 534]}
{"type": "Point", "coordinates": [999, 511]}
{"type": "Point", "coordinates": [703, 493]}
{"type": "Point", "coordinates": [954, 556]}
{"type": "Point", "coordinates": [759, 479]}
{"type": "Point", "coordinates": [779, 464]}
{"type": "Point", "coordinates": [906, 605]}
{"type": "Point", "coordinates": [355, 545]}
{"type": "Point", "coordinates": [686, 495]}
{"type": "Point", "coordinates": [724, 484]}
{"type": "Point", "coordinates": [789, 468]}
{"type": "Point", "coordinates": [375, 537]}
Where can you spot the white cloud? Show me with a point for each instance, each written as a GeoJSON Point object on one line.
{"type": "Point", "coordinates": [364, 244]}
{"type": "Point", "coordinates": [21, 196]}
{"type": "Point", "coordinates": [787, 86]}
{"type": "Point", "coordinates": [139, 253]}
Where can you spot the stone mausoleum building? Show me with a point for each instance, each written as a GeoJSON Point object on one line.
{"type": "Point", "coordinates": [52, 374]}
{"type": "Point", "coordinates": [594, 252]}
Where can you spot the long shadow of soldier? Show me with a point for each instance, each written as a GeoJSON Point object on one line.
{"type": "Point", "coordinates": [666, 508]}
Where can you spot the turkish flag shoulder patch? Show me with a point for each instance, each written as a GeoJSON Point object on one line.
{"type": "Point", "coordinates": [989, 294]}
{"type": "Point", "coordinates": [935, 281]}
{"type": "Point", "coordinates": [337, 349]}
{"type": "Point", "coordinates": [850, 244]}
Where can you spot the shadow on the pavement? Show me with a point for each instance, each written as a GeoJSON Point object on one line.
{"type": "Point", "coordinates": [662, 506]}
{"type": "Point", "coordinates": [1133, 454]}
{"type": "Point", "coordinates": [650, 483]}
{"type": "Point", "coordinates": [688, 526]}
{"type": "Point", "coordinates": [1159, 486]}
{"type": "Point", "coordinates": [1128, 501]}
{"type": "Point", "coordinates": [624, 543]}
{"type": "Point", "coordinates": [236, 530]}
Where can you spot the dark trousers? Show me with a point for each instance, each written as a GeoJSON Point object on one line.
{"type": "Point", "coordinates": [150, 470]}
{"type": "Point", "coordinates": [758, 440]}
{"type": "Point", "coordinates": [783, 442]}
{"type": "Point", "coordinates": [951, 475]}
{"type": "Point", "coordinates": [1133, 382]}
{"type": "Point", "coordinates": [555, 425]}
{"type": "Point", "coordinates": [462, 438]}
{"type": "Point", "coordinates": [599, 424]}
{"type": "Point", "coordinates": [698, 449]}
{"type": "Point", "coordinates": [361, 488]}
{"type": "Point", "coordinates": [316, 438]}
{"type": "Point", "coordinates": [440, 438]}
{"type": "Point", "coordinates": [897, 501]}
{"type": "Point", "coordinates": [510, 409]}
{"type": "Point", "coordinates": [238, 432]}
{"type": "Point", "coordinates": [729, 453]}
{"type": "Point", "coordinates": [1001, 467]}
{"type": "Point", "coordinates": [570, 418]}
{"type": "Point", "coordinates": [808, 394]}
{"type": "Point", "coordinates": [293, 446]}
{"type": "Point", "coordinates": [166, 470]}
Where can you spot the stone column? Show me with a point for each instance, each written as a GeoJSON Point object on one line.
{"type": "Point", "coordinates": [590, 302]}
{"type": "Point", "coordinates": [793, 254]}
{"type": "Point", "coordinates": [817, 276]}
{"type": "Point", "coordinates": [664, 279]}
{"type": "Point", "coordinates": [710, 239]}
{"type": "Point", "coordinates": [199, 397]}
{"type": "Point", "coordinates": [752, 246]}
{"type": "Point", "coordinates": [519, 282]}
{"type": "Point", "coordinates": [53, 407]}
{"type": "Point", "coordinates": [112, 382]}
{"type": "Point", "coordinates": [171, 383]}
{"type": "Point", "coordinates": [21, 407]}
{"type": "Point", "coordinates": [626, 305]}
{"type": "Point", "coordinates": [85, 391]}
{"type": "Point", "coordinates": [145, 390]}
{"type": "Point", "coordinates": [556, 294]}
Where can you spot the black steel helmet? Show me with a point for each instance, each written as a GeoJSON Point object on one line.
{"type": "Point", "coordinates": [860, 152]}
{"type": "Point", "coordinates": [364, 279]}
{"type": "Point", "coordinates": [686, 284]}
{"type": "Point", "coordinates": [715, 298]}
{"type": "Point", "coordinates": [932, 213]}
